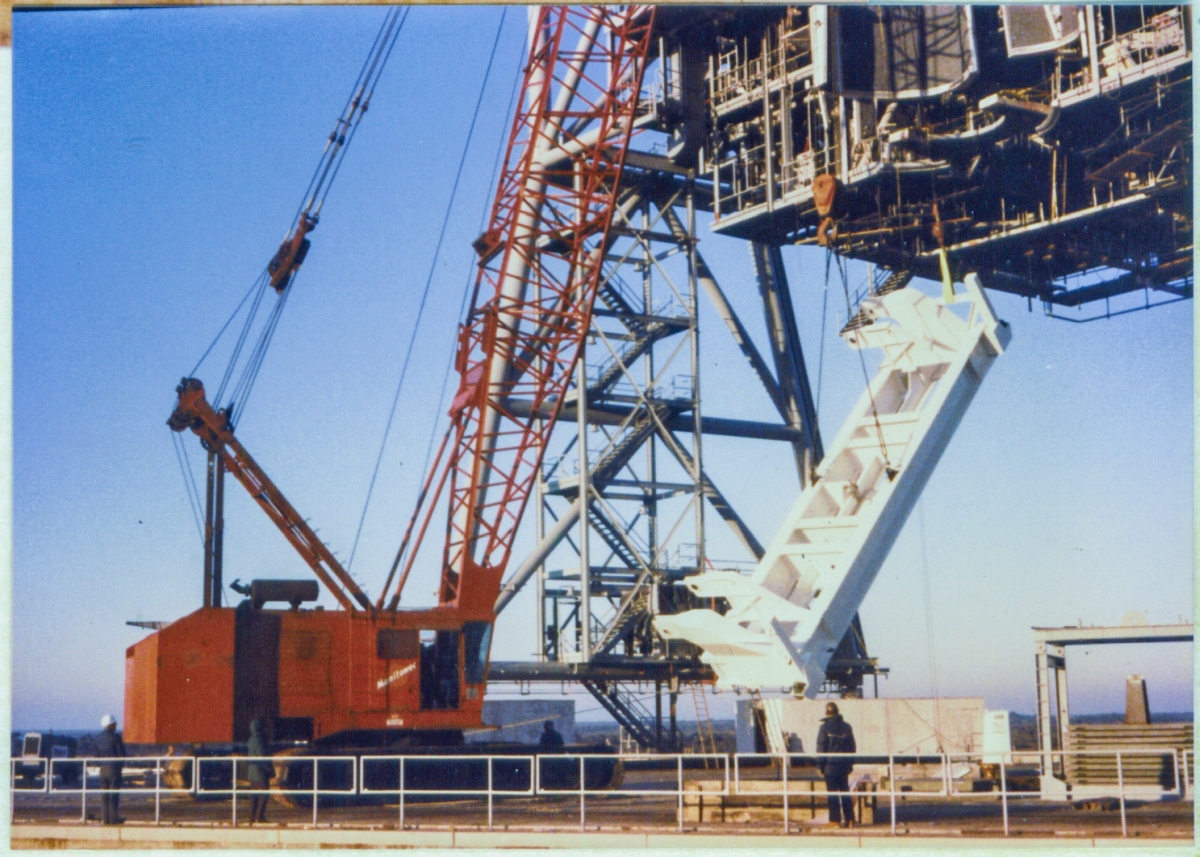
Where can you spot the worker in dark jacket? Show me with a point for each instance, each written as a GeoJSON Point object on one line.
{"type": "Point", "coordinates": [551, 741]}
{"type": "Point", "coordinates": [836, 736]}
{"type": "Point", "coordinates": [110, 747]}
{"type": "Point", "coordinates": [260, 771]}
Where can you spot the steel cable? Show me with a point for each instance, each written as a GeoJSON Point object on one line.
{"type": "Point", "coordinates": [428, 282]}
{"type": "Point", "coordinates": [314, 195]}
{"type": "Point", "coordinates": [462, 306]}
{"type": "Point", "coordinates": [189, 483]}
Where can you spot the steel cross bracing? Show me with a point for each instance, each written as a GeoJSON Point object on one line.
{"type": "Point", "coordinates": [540, 267]}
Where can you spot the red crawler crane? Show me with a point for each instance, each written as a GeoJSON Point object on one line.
{"type": "Point", "coordinates": [315, 673]}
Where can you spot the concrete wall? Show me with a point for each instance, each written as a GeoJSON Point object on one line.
{"type": "Point", "coordinates": [521, 719]}
{"type": "Point", "coordinates": [880, 725]}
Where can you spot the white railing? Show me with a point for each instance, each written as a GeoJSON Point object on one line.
{"type": "Point", "coordinates": [583, 791]}
{"type": "Point", "coordinates": [340, 769]}
{"type": "Point", "coordinates": [75, 776]}
{"type": "Point", "coordinates": [522, 767]}
{"type": "Point", "coordinates": [877, 777]}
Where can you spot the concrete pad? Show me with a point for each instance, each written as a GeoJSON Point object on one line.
{"type": "Point", "coordinates": [89, 832]}
{"type": "Point", "coordinates": [293, 837]}
{"type": "Point", "coordinates": [724, 840]}
{"type": "Point", "coordinates": [224, 837]}
{"type": "Point", "coordinates": [548, 839]}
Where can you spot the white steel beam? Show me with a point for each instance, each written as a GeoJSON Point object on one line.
{"type": "Point", "coordinates": [785, 620]}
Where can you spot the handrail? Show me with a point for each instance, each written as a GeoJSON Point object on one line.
{"type": "Point", "coordinates": [888, 776]}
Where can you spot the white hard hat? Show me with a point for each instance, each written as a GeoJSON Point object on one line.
{"type": "Point", "coordinates": [107, 720]}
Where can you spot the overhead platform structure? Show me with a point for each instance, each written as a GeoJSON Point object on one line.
{"type": "Point", "coordinates": [1047, 148]}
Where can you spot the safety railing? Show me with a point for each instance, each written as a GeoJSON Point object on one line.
{"type": "Point", "coordinates": [940, 775]}
{"type": "Point", "coordinates": [568, 774]}
{"type": "Point", "coordinates": [137, 775]}
{"type": "Point", "coordinates": [464, 776]}
{"type": "Point", "coordinates": [297, 776]}
{"type": "Point", "coordinates": [1122, 774]}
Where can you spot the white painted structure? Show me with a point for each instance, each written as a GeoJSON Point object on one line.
{"type": "Point", "coordinates": [881, 726]}
{"type": "Point", "coordinates": [786, 619]}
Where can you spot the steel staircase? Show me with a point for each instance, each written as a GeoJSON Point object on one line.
{"type": "Point", "coordinates": [627, 710]}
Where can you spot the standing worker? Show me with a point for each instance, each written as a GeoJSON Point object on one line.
{"type": "Point", "coordinates": [260, 770]}
{"type": "Point", "coordinates": [110, 747]}
{"type": "Point", "coordinates": [836, 736]}
{"type": "Point", "coordinates": [551, 741]}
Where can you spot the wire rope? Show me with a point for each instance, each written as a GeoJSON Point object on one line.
{"type": "Point", "coordinates": [428, 283]}
{"type": "Point", "coordinates": [466, 292]}
{"type": "Point", "coordinates": [821, 352]}
{"type": "Point", "coordinates": [841, 266]}
{"type": "Point", "coordinates": [228, 321]}
{"type": "Point", "coordinates": [933, 676]}
{"type": "Point", "coordinates": [189, 485]}
{"type": "Point", "coordinates": [313, 199]}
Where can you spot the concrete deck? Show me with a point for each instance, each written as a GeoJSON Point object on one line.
{"type": "Point", "coordinates": [91, 836]}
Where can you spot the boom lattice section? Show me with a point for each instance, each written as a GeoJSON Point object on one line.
{"type": "Point", "coordinates": [540, 267]}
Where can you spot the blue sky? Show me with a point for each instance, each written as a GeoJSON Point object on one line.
{"type": "Point", "coordinates": [158, 158]}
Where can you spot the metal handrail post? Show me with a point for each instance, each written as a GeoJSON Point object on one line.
{"type": "Point", "coordinates": [401, 792]}
{"type": "Point", "coordinates": [892, 788]}
{"type": "Point", "coordinates": [83, 796]}
{"type": "Point", "coordinates": [1004, 794]}
{"type": "Point", "coordinates": [786, 762]}
{"type": "Point", "coordinates": [157, 790]}
{"type": "Point", "coordinates": [1121, 791]}
{"type": "Point", "coordinates": [316, 792]}
{"type": "Point", "coordinates": [234, 763]}
{"type": "Point", "coordinates": [679, 788]}
{"type": "Point", "coordinates": [582, 789]}
{"type": "Point", "coordinates": [490, 762]}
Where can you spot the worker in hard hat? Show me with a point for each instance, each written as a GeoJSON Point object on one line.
{"type": "Point", "coordinates": [110, 748]}
{"type": "Point", "coordinates": [836, 736]}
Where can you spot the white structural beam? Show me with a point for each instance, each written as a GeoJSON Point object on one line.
{"type": "Point", "coordinates": [785, 620]}
{"type": "Point", "coordinates": [1114, 634]}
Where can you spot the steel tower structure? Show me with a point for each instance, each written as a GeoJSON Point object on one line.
{"type": "Point", "coordinates": [1046, 149]}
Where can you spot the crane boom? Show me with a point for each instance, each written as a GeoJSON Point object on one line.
{"type": "Point", "coordinates": [192, 411]}
{"type": "Point", "coordinates": [541, 265]}
{"type": "Point", "coordinates": [784, 621]}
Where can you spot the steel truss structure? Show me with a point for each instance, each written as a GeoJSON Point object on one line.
{"type": "Point", "coordinates": [931, 167]}
{"type": "Point", "coordinates": [540, 267]}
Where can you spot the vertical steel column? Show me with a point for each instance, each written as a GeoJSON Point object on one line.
{"type": "Point", "coordinates": [585, 570]}
{"type": "Point", "coordinates": [1043, 709]}
{"type": "Point", "coordinates": [540, 637]}
{"type": "Point", "coordinates": [651, 496]}
{"type": "Point", "coordinates": [658, 713]}
{"type": "Point", "coordinates": [210, 495]}
{"type": "Point", "coordinates": [789, 357]}
{"type": "Point", "coordinates": [218, 545]}
{"type": "Point", "coordinates": [1064, 716]}
{"type": "Point", "coordinates": [694, 333]}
